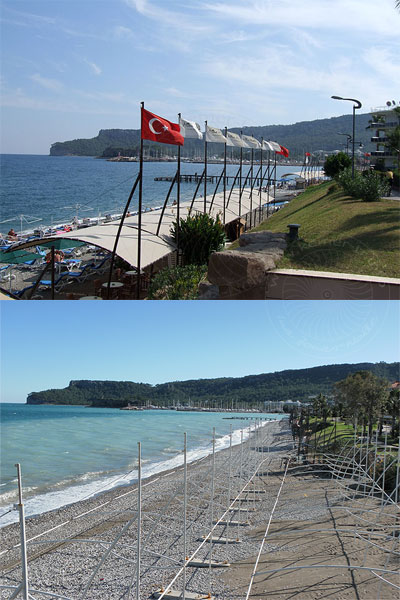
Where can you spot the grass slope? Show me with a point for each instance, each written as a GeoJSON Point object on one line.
{"type": "Point", "coordinates": [339, 233]}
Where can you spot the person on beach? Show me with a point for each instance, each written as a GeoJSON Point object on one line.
{"type": "Point", "coordinates": [12, 235]}
{"type": "Point", "coordinates": [58, 256]}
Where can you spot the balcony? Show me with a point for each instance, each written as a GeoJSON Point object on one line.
{"type": "Point", "coordinates": [379, 140]}
{"type": "Point", "coordinates": [382, 154]}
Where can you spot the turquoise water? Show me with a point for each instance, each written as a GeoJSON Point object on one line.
{"type": "Point", "coordinates": [68, 453]}
{"type": "Point", "coordinates": [56, 188]}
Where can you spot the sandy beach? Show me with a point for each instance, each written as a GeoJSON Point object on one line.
{"type": "Point", "coordinates": [67, 545]}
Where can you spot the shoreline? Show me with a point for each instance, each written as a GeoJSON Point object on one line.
{"type": "Point", "coordinates": [102, 512]}
{"type": "Point", "coordinates": [110, 484]}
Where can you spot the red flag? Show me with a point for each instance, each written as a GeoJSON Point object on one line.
{"type": "Point", "coordinates": [308, 153]}
{"type": "Point", "coordinates": [283, 151]}
{"type": "Point", "coordinates": [160, 130]}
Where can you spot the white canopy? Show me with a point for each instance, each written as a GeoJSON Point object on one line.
{"type": "Point", "coordinates": [154, 247]}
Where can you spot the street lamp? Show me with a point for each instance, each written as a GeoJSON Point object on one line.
{"type": "Point", "coordinates": [348, 140]}
{"type": "Point", "coordinates": [357, 104]}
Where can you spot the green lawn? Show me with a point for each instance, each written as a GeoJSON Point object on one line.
{"type": "Point", "coordinates": [339, 233]}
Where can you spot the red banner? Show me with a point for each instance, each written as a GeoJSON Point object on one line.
{"type": "Point", "coordinates": [158, 129]}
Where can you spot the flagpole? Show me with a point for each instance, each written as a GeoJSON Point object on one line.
{"type": "Point", "coordinates": [251, 185]}
{"type": "Point", "coordinates": [274, 181]}
{"type": "Point", "coordinates": [178, 196]}
{"type": "Point", "coordinates": [261, 178]}
{"type": "Point", "coordinates": [240, 180]}
{"type": "Point", "coordinates": [223, 215]}
{"type": "Point", "coordinates": [139, 248]}
{"type": "Point", "coordinates": [269, 177]}
{"type": "Point", "coordinates": [205, 170]}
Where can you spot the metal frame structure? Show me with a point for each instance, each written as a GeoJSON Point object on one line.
{"type": "Point", "coordinates": [170, 536]}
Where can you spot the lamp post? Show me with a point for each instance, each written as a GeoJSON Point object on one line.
{"type": "Point", "coordinates": [347, 141]}
{"type": "Point", "coordinates": [357, 104]}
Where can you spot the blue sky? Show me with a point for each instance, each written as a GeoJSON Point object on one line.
{"type": "Point", "coordinates": [46, 344]}
{"type": "Point", "coordinates": [72, 67]}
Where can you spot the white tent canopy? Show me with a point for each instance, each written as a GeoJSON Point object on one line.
{"type": "Point", "coordinates": [155, 247]}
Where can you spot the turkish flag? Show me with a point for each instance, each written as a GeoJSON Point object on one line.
{"type": "Point", "coordinates": [283, 151]}
{"type": "Point", "coordinates": [158, 129]}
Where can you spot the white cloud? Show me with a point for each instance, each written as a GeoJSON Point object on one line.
{"type": "Point", "coordinates": [28, 19]}
{"type": "Point", "coordinates": [122, 32]}
{"type": "Point", "coordinates": [383, 62]}
{"type": "Point", "coordinates": [168, 18]}
{"type": "Point", "coordinates": [354, 15]}
{"type": "Point", "coordinates": [95, 68]}
{"type": "Point", "coordinates": [50, 84]}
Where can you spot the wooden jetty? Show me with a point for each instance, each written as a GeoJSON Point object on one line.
{"type": "Point", "coordinates": [195, 178]}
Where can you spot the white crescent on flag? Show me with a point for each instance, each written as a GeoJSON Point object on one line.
{"type": "Point", "coordinates": [164, 127]}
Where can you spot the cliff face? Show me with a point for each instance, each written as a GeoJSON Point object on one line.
{"type": "Point", "coordinates": [96, 146]}
{"type": "Point", "coordinates": [281, 386]}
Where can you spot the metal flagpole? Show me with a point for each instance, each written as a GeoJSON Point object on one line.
{"type": "Point", "coordinates": [139, 522]}
{"type": "Point", "coordinates": [184, 512]}
{"type": "Point", "coordinates": [240, 179]}
{"type": "Point", "coordinates": [274, 181]}
{"type": "Point", "coordinates": [140, 208]}
{"type": "Point", "coordinates": [261, 177]}
{"type": "Point", "coordinates": [223, 213]}
{"type": "Point", "coordinates": [205, 170]}
{"type": "Point", "coordinates": [24, 559]}
{"type": "Point", "coordinates": [178, 197]}
{"type": "Point", "coordinates": [251, 185]}
{"type": "Point", "coordinates": [268, 179]}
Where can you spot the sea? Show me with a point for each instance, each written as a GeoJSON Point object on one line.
{"type": "Point", "coordinates": [70, 453]}
{"type": "Point", "coordinates": [40, 191]}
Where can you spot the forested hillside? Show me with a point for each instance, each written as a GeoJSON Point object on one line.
{"type": "Point", "coordinates": [306, 136]}
{"type": "Point", "coordinates": [279, 386]}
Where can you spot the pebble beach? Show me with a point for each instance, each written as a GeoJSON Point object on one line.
{"type": "Point", "coordinates": [89, 549]}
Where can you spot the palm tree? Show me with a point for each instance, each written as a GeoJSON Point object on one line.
{"type": "Point", "coordinates": [398, 4]}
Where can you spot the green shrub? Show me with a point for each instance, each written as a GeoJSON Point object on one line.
{"type": "Point", "coordinates": [199, 236]}
{"type": "Point", "coordinates": [336, 163]}
{"type": "Point", "coordinates": [368, 186]}
{"type": "Point", "coordinates": [178, 283]}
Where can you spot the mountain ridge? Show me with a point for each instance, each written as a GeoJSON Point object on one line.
{"type": "Point", "coordinates": [300, 137]}
{"type": "Point", "coordinates": [290, 384]}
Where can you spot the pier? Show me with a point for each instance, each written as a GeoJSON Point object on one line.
{"type": "Point", "coordinates": [196, 177]}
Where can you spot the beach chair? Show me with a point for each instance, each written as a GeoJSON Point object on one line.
{"type": "Point", "coordinates": [102, 266]}
{"type": "Point", "coordinates": [59, 283]}
{"type": "Point", "coordinates": [80, 276]}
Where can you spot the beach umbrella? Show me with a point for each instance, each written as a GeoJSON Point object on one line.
{"type": "Point", "coordinates": [16, 257]}
{"type": "Point", "coordinates": [60, 244]}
